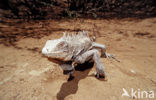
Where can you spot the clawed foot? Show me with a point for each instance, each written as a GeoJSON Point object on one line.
{"type": "Point", "coordinates": [104, 55]}
{"type": "Point", "coordinates": [98, 76]}
{"type": "Point", "coordinates": [107, 55]}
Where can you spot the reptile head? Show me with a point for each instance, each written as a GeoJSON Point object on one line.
{"type": "Point", "coordinates": [55, 48]}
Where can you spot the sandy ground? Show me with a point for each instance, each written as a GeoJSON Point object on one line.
{"type": "Point", "coordinates": [26, 75]}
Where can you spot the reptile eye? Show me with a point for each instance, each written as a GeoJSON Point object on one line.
{"type": "Point", "coordinates": [60, 44]}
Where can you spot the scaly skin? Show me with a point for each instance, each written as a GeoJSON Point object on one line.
{"type": "Point", "coordinates": [76, 49]}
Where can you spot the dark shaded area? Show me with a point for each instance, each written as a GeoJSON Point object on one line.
{"type": "Point", "coordinates": [25, 9]}
{"type": "Point", "coordinates": [11, 31]}
{"type": "Point", "coordinates": [50, 9]}
{"type": "Point", "coordinates": [143, 34]}
{"type": "Point", "coordinates": [71, 87]}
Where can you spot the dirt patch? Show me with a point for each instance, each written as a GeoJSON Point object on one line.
{"type": "Point", "coordinates": [26, 74]}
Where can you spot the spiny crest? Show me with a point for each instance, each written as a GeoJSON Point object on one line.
{"type": "Point", "coordinates": [73, 36]}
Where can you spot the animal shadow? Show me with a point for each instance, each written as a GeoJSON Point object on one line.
{"type": "Point", "coordinates": [71, 87]}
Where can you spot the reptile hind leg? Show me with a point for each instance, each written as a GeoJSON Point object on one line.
{"type": "Point", "coordinates": [101, 47]}
{"type": "Point", "coordinates": [95, 55]}
{"type": "Point", "coordinates": [103, 51]}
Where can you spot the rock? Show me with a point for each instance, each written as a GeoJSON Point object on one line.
{"type": "Point", "coordinates": [133, 71]}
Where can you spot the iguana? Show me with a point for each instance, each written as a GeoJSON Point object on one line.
{"type": "Point", "coordinates": [76, 49]}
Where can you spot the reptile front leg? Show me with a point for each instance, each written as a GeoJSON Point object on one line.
{"type": "Point", "coordinates": [68, 68]}
{"type": "Point", "coordinates": [95, 55]}
{"type": "Point", "coordinates": [103, 51]}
